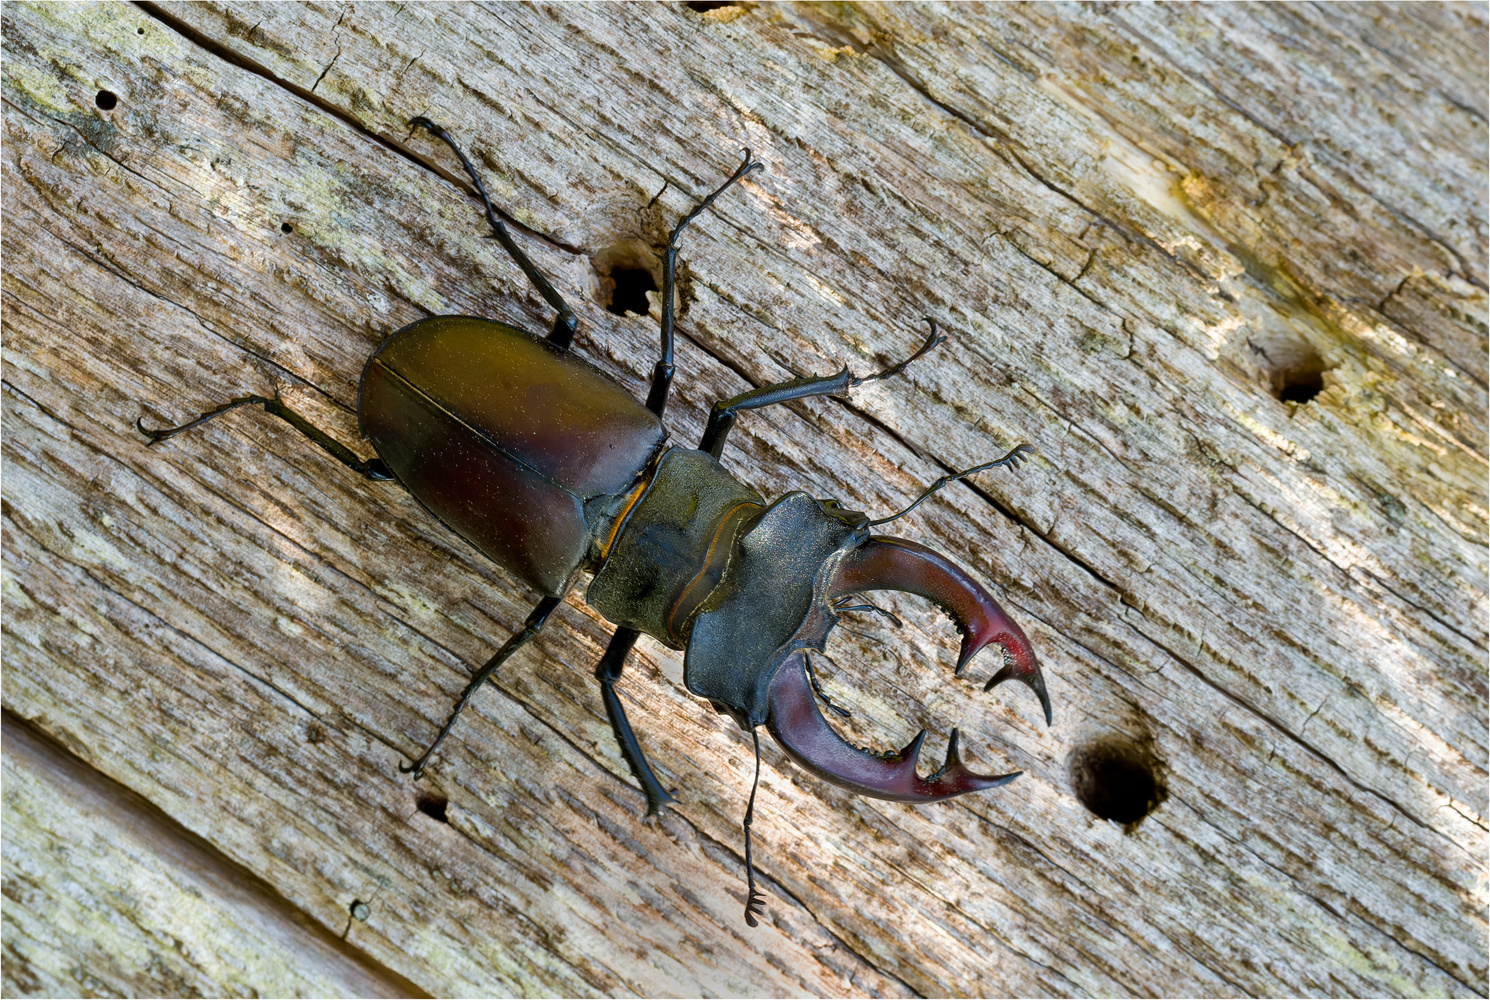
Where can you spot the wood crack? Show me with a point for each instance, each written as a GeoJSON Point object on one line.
{"type": "Point", "coordinates": [1243, 703]}
{"type": "Point", "coordinates": [32, 747]}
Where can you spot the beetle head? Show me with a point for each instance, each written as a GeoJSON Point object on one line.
{"type": "Point", "coordinates": [747, 652]}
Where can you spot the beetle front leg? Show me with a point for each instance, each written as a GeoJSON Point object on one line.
{"type": "Point", "coordinates": [608, 672]}
{"type": "Point", "coordinates": [662, 374]}
{"type": "Point", "coordinates": [722, 417]}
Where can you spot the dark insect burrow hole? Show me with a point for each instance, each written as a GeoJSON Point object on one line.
{"type": "Point", "coordinates": [285, 227]}
{"type": "Point", "coordinates": [1118, 779]}
{"type": "Point", "coordinates": [630, 295]}
{"type": "Point", "coordinates": [704, 6]}
{"type": "Point", "coordinates": [1300, 386]}
{"type": "Point", "coordinates": [434, 806]}
{"type": "Point", "coordinates": [106, 100]}
{"type": "Point", "coordinates": [139, 31]}
{"type": "Point", "coordinates": [625, 273]}
{"type": "Point", "coordinates": [1294, 369]}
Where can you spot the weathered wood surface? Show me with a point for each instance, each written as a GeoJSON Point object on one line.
{"type": "Point", "coordinates": [1138, 222]}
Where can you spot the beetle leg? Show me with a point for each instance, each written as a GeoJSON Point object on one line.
{"type": "Point", "coordinates": [608, 672]}
{"type": "Point", "coordinates": [566, 323]}
{"type": "Point", "coordinates": [722, 417]}
{"type": "Point", "coordinates": [373, 468]}
{"type": "Point", "coordinates": [662, 374]}
{"type": "Point", "coordinates": [530, 628]}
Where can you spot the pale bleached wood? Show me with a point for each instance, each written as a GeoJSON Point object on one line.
{"type": "Point", "coordinates": [1128, 217]}
{"type": "Point", "coordinates": [107, 895]}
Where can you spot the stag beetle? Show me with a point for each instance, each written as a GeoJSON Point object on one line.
{"type": "Point", "coordinates": [550, 468]}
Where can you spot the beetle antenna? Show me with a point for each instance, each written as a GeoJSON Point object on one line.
{"type": "Point", "coordinates": [755, 903]}
{"type": "Point", "coordinates": [841, 606]}
{"type": "Point", "coordinates": [1020, 453]}
{"type": "Point", "coordinates": [817, 689]}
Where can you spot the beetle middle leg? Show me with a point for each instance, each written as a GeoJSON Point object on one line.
{"type": "Point", "coordinates": [608, 672]}
{"type": "Point", "coordinates": [566, 323]}
{"type": "Point", "coordinates": [722, 417]}
{"type": "Point", "coordinates": [662, 374]}
{"type": "Point", "coordinates": [373, 468]}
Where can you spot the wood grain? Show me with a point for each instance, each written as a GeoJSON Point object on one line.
{"type": "Point", "coordinates": [1139, 224]}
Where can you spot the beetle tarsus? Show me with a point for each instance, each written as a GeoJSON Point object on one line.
{"type": "Point", "coordinates": [722, 416]}
{"type": "Point", "coordinates": [373, 468]}
{"type": "Point", "coordinates": [662, 375]}
{"type": "Point", "coordinates": [530, 628]}
{"type": "Point", "coordinates": [755, 902]}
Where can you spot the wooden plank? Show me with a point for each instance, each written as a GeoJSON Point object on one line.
{"type": "Point", "coordinates": [174, 919]}
{"type": "Point", "coordinates": [1138, 224]}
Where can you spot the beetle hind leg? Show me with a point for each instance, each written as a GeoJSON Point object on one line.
{"type": "Point", "coordinates": [372, 468]}
{"type": "Point", "coordinates": [530, 628]}
{"type": "Point", "coordinates": [608, 672]}
{"type": "Point", "coordinates": [566, 323]}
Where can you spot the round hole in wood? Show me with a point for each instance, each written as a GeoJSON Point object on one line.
{"type": "Point", "coordinates": [106, 100]}
{"type": "Point", "coordinates": [1118, 779]}
{"type": "Point", "coordinates": [625, 273]}
{"type": "Point", "coordinates": [632, 285]}
{"type": "Point", "coordinates": [1301, 385]}
{"type": "Point", "coordinates": [1292, 365]}
{"type": "Point", "coordinates": [434, 806]}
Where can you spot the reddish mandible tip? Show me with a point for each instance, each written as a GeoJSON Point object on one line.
{"type": "Point", "coordinates": [886, 563]}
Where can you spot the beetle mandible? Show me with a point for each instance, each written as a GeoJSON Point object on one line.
{"type": "Point", "coordinates": [550, 468]}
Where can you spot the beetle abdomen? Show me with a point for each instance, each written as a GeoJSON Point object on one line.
{"type": "Point", "coordinates": [504, 437]}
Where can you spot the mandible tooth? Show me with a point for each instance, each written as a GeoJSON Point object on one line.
{"type": "Point", "coordinates": [952, 758]}
{"type": "Point", "coordinates": [912, 751]}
